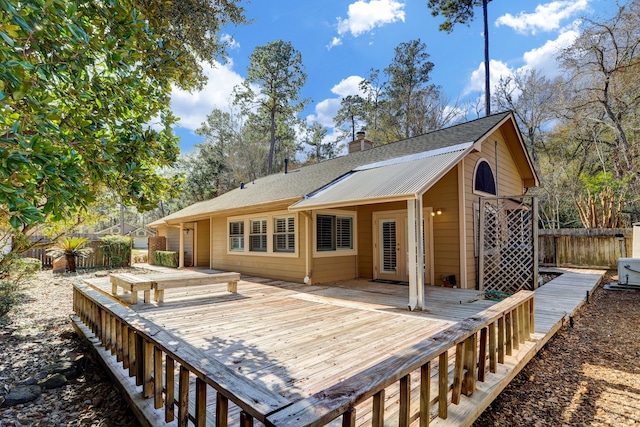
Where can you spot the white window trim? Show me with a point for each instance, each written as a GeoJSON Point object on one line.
{"type": "Point", "coordinates": [244, 235]}
{"type": "Point", "coordinates": [248, 235]}
{"type": "Point", "coordinates": [473, 183]}
{"type": "Point", "coordinates": [338, 252]}
{"type": "Point", "coordinates": [270, 228]}
{"type": "Point", "coordinates": [295, 235]}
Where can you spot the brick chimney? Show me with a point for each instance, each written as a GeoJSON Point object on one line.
{"type": "Point", "coordinates": [360, 143]}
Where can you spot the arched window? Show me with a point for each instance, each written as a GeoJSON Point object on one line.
{"type": "Point", "coordinates": [484, 181]}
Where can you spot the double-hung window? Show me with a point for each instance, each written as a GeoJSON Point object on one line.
{"type": "Point", "coordinates": [334, 233]}
{"type": "Point", "coordinates": [258, 235]}
{"type": "Point", "coordinates": [236, 236]}
{"type": "Point", "coordinates": [284, 236]}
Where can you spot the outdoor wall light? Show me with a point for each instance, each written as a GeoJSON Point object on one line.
{"type": "Point", "coordinates": [186, 231]}
{"type": "Point", "coordinates": [438, 211]}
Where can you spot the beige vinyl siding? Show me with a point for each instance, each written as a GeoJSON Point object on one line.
{"type": "Point", "coordinates": [173, 239]}
{"type": "Point", "coordinates": [446, 230]}
{"type": "Point", "coordinates": [203, 243]}
{"type": "Point", "coordinates": [273, 266]}
{"type": "Point", "coordinates": [328, 269]}
{"type": "Point", "coordinates": [509, 183]}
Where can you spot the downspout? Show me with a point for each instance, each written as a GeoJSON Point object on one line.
{"type": "Point", "coordinates": [307, 255]}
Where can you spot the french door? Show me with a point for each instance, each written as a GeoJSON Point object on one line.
{"type": "Point", "coordinates": [391, 250]}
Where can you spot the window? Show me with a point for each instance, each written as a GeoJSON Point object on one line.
{"type": "Point", "coordinates": [344, 233]}
{"type": "Point", "coordinates": [258, 235]}
{"type": "Point", "coordinates": [334, 233]}
{"type": "Point", "coordinates": [268, 234]}
{"type": "Point", "coordinates": [484, 181]}
{"type": "Point", "coordinates": [236, 236]}
{"type": "Point", "coordinates": [284, 236]}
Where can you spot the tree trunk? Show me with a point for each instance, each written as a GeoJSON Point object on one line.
{"type": "Point", "coordinates": [71, 263]}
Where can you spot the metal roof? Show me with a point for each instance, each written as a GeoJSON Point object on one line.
{"type": "Point", "coordinates": [404, 178]}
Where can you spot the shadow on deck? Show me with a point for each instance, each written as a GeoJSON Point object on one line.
{"type": "Point", "coordinates": [289, 354]}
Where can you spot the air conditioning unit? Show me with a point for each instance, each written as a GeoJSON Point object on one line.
{"type": "Point", "coordinates": [628, 274]}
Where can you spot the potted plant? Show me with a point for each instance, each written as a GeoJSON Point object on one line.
{"type": "Point", "coordinates": [70, 248]}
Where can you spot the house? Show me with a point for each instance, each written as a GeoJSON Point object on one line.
{"type": "Point", "coordinates": [376, 213]}
{"type": "Point", "coordinates": [115, 229]}
{"type": "Point", "coordinates": [140, 235]}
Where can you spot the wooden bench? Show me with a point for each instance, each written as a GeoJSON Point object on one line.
{"type": "Point", "coordinates": [185, 281]}
{"type": "Point", "coordinates": [132, 283]}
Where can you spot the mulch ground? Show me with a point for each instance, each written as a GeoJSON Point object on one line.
{"type": "Point", "coordinates": [588, 375]}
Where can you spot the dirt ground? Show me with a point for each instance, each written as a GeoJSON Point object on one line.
{"type": "Point", "coordinates": [588, 375]}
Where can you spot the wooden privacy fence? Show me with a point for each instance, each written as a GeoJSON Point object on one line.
{"type": "Point", "coordinates": [97, 258]}
{"type": "Point", "coordinates": [448, 365]}
{"type": "Point", "coordinates": [584, 247]}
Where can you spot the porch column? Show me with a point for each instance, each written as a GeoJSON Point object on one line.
{"type": "Point", "coordinates": [415, 242]}
{"type": "Point", "coordinates": [181, 251]}
{"type": "Point", "coordinates": [211, 242]}
{"type": "Point", "coordinates": [195, 244]}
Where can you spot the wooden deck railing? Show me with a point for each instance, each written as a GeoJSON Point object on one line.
{"type": "Point", "coordinates": [477, 343]}
{"type": "Point", "coordinates": [154, 356]}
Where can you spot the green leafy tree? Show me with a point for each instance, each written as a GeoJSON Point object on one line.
{"type": "Point", "coordinates": [408, 89]}
{"type": "Point", "coordinates": [276, 70]}
{"type": "Point", "coordinates": [350, 117]}
{"type": "Point", "coordinates": [320, 150]}
{"type": "Point", "coordinates": [81, 84]}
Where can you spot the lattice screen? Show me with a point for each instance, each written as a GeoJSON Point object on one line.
{"type": "Point", "coordinates": [508, 248]}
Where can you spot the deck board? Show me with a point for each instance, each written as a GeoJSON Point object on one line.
{"type": "Point", "coordinates": [298, 340]}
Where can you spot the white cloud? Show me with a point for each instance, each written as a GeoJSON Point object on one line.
{"type": "Point", "coordinates": [544, 58]}
{"type": "Point", "coordinates": [497, 69]}
{"type": "Point", "coordinates": [193, 108]}
{"type": "Point", "coordinates": [326, 111]}
{"type": "Point", "coordinates": [230, 42]}
{"type": "Point", "coordinates": [348, 86]}
{"type": "Point", "coordinates": [363, 16]}
{"type": "Point", "coordinates": [337, 41]}
{"type": "Point", "coordinates": [546, 17]}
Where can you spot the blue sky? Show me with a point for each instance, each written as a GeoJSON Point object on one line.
{"type": "Point", "coordinates": [340, 41]}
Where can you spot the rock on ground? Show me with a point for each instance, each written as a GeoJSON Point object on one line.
{"type": "Point", "coordinates": [37, 343]}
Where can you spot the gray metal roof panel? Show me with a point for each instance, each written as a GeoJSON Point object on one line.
{"type": "Point", "coordinates": [396, 180]}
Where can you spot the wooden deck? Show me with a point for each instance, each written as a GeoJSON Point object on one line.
{"type": "Point", "coordinates": [296, 340]}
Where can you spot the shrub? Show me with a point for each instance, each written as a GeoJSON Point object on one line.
{"type": "Point", "coordinates": [166, 258]}
{"type": "Point", "coordinates": [30, 265]}
{"type": "Point", "coordinates": [12, 271]}
{"type": "Point", "coordinates": [117, 250]}
{"type": "Point", "coordinates": [8, 296]}
{"type": "Point", "coordinates": [71, 248]}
